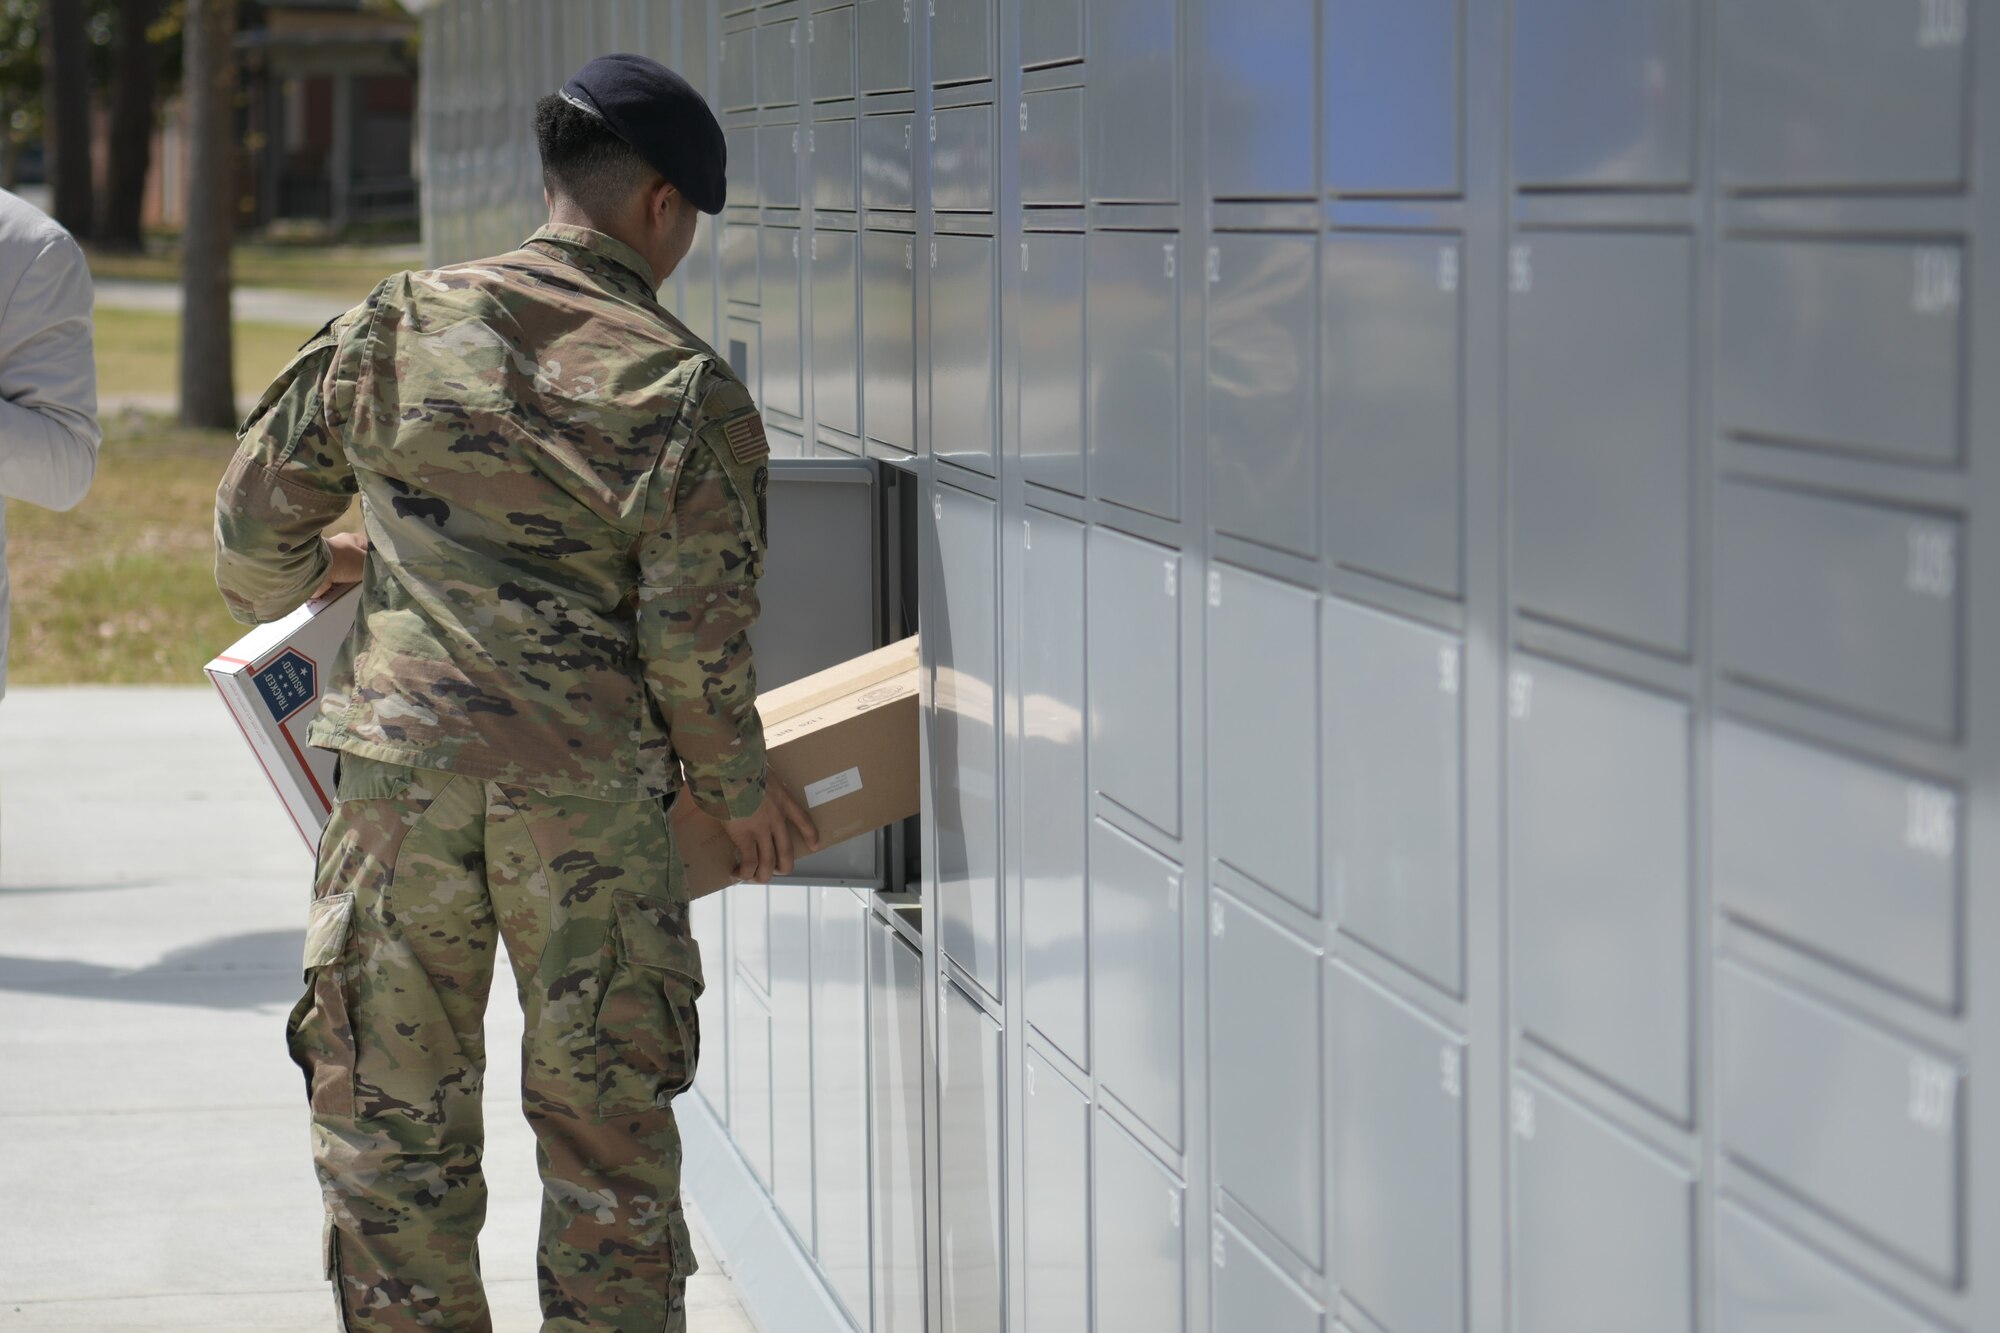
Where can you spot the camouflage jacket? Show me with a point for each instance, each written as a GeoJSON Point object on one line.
{"type": "Point", "coordinates": [564, 494]}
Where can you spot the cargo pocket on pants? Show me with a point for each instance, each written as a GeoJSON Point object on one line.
{"type": "Point", "coordinates": [648, 1034]}
{"type": "Point", "coordinates": [320, 1034]}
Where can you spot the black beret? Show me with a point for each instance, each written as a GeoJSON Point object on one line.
{"type": "Point", "coordinates": [661, 115]}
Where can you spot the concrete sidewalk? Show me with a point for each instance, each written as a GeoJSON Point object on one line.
{"type": "Point", "coordinates": [154, 1169]}
{"type": "Point", "coordinates": [261, 305]}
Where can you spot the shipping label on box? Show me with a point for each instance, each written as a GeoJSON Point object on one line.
{"type": "Point", "coordinates": [271, 680]}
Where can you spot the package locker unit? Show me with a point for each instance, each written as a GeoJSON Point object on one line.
{"type": "Point", "coordinates": [1462, 667]}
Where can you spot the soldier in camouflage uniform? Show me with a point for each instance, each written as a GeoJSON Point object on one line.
{"type": "Point", "coordinates": [563, 493]}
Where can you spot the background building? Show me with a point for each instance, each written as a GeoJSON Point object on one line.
{"type": "Point", "coordinates": [1464, 703]}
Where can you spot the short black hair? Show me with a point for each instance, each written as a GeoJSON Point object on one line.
{"type": "Point", "coordinates": [584, 161]}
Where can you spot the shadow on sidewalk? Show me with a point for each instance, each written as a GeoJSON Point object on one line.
{"type": "Point", "coordinates": [234, 972]}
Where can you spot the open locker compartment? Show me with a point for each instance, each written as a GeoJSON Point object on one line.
{"type": "Point", "coordinates": [840, 580]}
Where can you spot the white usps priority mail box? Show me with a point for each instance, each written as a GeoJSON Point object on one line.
{"type": "Point", "coordinates": [271, 679]}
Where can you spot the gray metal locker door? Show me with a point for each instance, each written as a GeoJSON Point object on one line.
{"type": "Point", "coordinates": [964, 345]}
{"type": "Point", "coordinates": [1398, 1159]}
{"type": "Point", "coordinates": [1252, 1294]}
{"type": "Point", "coordinates": [961, 41]}
{"type": "Point", "coordinates": [698, 275]}
{"type": "Point", "coordinates": [1842, 94]}
{"type": "Point", "coordinates": [1263, 731]}
{"type": "Point", "coordinates": [969, 1185]}
{"type": "Point", "coordinates": [1599, 396]}
{"type": "Point", "coordinates": [737, 56]}
{"type": "Point", "coordinates": [962, 159]}
{"type": "Point", "coordinates": [1259, 59]}
{"type": "Point", "coordinates": [1263, 378]}
{"type": "Point", "coordinates": [889, 338]}
{"type": "Point", "coordinates": [740, 263]}
{"type": "Point", "coordinates": [1884, 1152]}
{"type": "Point", "coordinates": [1135, 676]}
{"type": "Point", "coordinates": [1056, 1201]}
{"type": "Point", "coordinates": [1768, 1283]}
{"type": "Point", "coordinates": [750, 1077]}
{"type": "Point", "coordinates": [1134, 101]}
{"type": "Point", "coordinates": [784, 389]}
{"type": "Point", "coordinates": [792, 1056]}
{"type": "Point", "coordinates": [1852, 861]}
{"type": "Point", "coordinates": [1052, 147]}
{"type": "Point", "coordinates": [740, 144]}
{"type": "Point", "coordinates": [883, 28]}
{"type": "Point", "coordinates": [778, 165]}
{"type": "Point", "coordinates": [896, 1088]}
{"type": "Point", "coordinates": [1395, 759]}
{"type": "Point", "coordinates": [1392, 120]}
{"type": "Point", "coordinates": [840, 1093]}
{"type": "Point", "coordinates": [1598, 867]}
{"type": "Point", "coordinates": [1603, 1225]}
{"type": "Point", "coordinates": [1394, 376]}
{"type": "Point", "coordinates": [750, 932]}
{"type": "Point", "coordinates": [778, 63]}
{"type": "Point", "coordinates": [742, 346]}
{"type": "Point", "coordinates": [887, 161]}
{"type": "Point", "coordinates": [1604, 92]}
{"type": "Point", "coordinates": [836, 359]}
{"type": "Point", "coordinates": [1049, 352]}
{"type": "Point", "coordinates": [1136, 1219]}
{"type": "Point", "coordinates": [831, 58]}
{"type": "Point", "coordinates": [1135, 979]}
{"type": "Point", "coordinates": [959, 628]}
{"type": "Point", "coordinates": [1133, 325]}
{"type": "Point", "coordinates": [1844, 603]}
{"type": "Point", "coordinates": [1053, 789]}
{"type": "Point", "coordinates": [1854, 345]}
{"type": "Point", "coordinates": [1265, 1050]}
{"type": "Point", "coordinates": [836, 164]}
{"type": "Point", "coordinates": [1051, 31]}
{"type": "Point", "coordinates": [711, 1079]}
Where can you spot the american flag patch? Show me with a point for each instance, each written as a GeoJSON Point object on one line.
{"type": "Point", "coordinates": [746, 439]}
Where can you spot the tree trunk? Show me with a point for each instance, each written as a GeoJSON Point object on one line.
{"type": "Point", "coordinates": [134, 84]}
{"type": "Point", "coordinates": [208, 381]}
{"type": "Point", "coordinates": [66, 112]}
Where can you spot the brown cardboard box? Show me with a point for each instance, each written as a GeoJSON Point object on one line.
{"type": "Point", "coordinates": [844, 741]}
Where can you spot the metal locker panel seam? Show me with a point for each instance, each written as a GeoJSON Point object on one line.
{"type": "Point", "coordinates": [1051, 31]}
{"type": "Point", "coordinates": [961, 41]}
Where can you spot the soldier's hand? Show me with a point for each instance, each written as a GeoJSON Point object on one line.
{"type": "Point", "coordinates": [350, 556]}
{"type": "Point", "coordinates": [764, 840]}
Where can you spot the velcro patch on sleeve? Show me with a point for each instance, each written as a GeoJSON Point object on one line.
{"type": "Point", "coordinates": [746, 439]}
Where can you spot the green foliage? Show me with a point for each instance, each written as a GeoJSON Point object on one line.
{"type": "Point", "coordinates": [21, 56]}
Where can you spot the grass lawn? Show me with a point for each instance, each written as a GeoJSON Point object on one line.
{"type": "Point", "coordinates": [349, 271]}
{"type": "Point", "coordinates": [138, 352]}
{"type": "Point", "coordinates": [121, 590]}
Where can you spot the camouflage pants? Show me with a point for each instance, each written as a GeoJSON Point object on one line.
{"type": "Point", "coordinates": [420, 874]}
